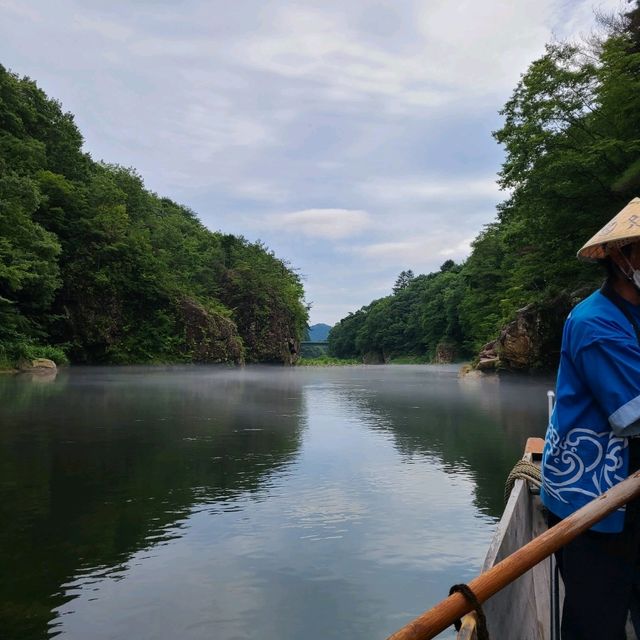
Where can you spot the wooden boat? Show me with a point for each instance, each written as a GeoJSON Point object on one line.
{"type": "Point", "coordinates": [524, 609]}
{"type": "Point", "coordinates": [519, 598]}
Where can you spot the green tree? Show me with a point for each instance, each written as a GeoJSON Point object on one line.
{"type": "Point", "coordinates": [403, 280]}
{"type": "Point", "coordinates": [92, 261]}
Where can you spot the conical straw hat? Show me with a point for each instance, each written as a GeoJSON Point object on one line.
{"type": "Point", "coordinates": [621, 230]}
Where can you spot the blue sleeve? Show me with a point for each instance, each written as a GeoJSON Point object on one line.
{"type": "Point", "coordinates": [611, 369]}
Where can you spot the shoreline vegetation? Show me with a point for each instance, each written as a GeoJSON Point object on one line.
{"type": "Point", "coordinates": [328, 361]}
{"type": "Point", "coordinates": [15, 368]}
{"type": "Point", "coordinates": [465, 367]}
{"type": "Point", "coordinates": [27, 353]}
{"type": "Point", "coordinates": [95, 268]}
{"type": "Point", "coordinates": [324, 361]}
{"type": "Point", "coordinates": [571, 135]}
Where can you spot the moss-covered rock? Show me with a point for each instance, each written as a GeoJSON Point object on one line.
{"type": "Point", "coordinates": [208, 335]}
{"type": "Point", "coordinates": [446, 353]}
{"type": "Point", "coordinates": [532, 340]}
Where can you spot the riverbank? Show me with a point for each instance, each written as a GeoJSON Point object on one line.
{"type": "Point", "coordinates": [411, 360]}
{"type": "Point", "coordinates": [328, 361]}
{"type": "Point", "coordinates": [16, 357]}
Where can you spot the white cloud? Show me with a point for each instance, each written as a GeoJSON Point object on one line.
{"type": "Point", "coordinates": [430, 189]}
{"type": "Point", "coordinates": [19, 9]}
{"type": "Point", "coordinates": [209, 126]}
{"type": "Point", "coordinates": [424, 252]}
{"type": "Point", "coordinates": [462, 249]}
{"type": "Point", "coordinates": [258, 190]}
{"type": "Point", "coordinates": [320, 48]}
{"type": "Point", "coordinates": [480, 47]}
{"type": "Point", "coordinates": [578, 21]}
{"type": "Point", "coordinates": [173, 48]}
{"type": "Point", "coordinates": [106, 28]}
{"type": "Point", "coordinates": [386, 249]}
{"type": "Point", "coordinates": [330, 224]}
{"type": "Point", "coordinates": [459, 52]}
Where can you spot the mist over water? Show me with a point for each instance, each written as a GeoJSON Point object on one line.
{"type": "Point", "coordinates": [262, 502]}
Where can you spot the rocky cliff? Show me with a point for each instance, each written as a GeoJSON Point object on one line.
{"type": "Point", "coordinates": [531, 342]}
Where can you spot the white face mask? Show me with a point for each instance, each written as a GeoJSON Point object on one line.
{"type": "Point", "coordinates": [634, 277]}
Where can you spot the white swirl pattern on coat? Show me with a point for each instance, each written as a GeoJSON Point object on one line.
{"type": "Point", "coordinates": [584, 461]}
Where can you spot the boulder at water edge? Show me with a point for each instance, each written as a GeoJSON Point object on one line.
{"type": "Point", "coordinates": [37, 365]}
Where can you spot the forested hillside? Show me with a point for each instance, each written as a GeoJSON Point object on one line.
{"type": "Point", "coordinates": [96, 268]}
{"type": "Point", "coordinates": [571, 134]}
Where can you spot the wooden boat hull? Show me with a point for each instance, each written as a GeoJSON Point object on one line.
{"type": "Point", "coordinates": [522, 610]}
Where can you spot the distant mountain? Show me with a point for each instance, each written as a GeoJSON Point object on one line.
{"type": "Point", "coordinates": [319, 332]}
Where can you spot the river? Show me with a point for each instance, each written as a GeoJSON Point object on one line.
{"type": "Point", "coordinates": [262, 503]}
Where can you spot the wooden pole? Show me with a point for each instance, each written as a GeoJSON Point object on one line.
{"type": "Point", "coordinates": [432, 622]}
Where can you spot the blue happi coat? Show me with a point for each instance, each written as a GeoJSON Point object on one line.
{"type": "Point", "coordinates": [597, 408]}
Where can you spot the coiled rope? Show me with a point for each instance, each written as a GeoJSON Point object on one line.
{"type": "Point", "coordinates": [481, 625]}
{"type": "Point", "coordinates": [523, 470]}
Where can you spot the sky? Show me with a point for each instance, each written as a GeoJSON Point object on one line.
{"type": "Point", "coordinates": [353, 138]}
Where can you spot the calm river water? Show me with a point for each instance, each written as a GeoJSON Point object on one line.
{"type": "Point", "coordinates": [258, 503]}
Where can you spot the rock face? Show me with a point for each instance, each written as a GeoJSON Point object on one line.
{"type": "Point", "coordinates": [532, 340]}
{"type": "Point", "coordinates": [488, 358]}
{"type": "Point", "coordinates": [445, 353]}
{"type": "Point", "coordinates": [290, 351]}
{"type": "Point", "coordinates": [469, 373]}
{"type": "Point", "coordinates": [373, 357]}
{"type": "Point", "coordinates": [209, 336]}
{"type": "Point", "coordinates": [43, 363]}
{"type": "Point", "coordinates": [38, 365]}
{"type": "Point", "coordinates": [520, 341]}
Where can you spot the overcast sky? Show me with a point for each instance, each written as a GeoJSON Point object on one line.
{"type": "Point", "coordinates": [352, 137]}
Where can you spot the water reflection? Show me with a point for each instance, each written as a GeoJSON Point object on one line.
{"type": "Point", "coordinates": [478, 425]}
{"type": "Point", "coordinates": [255, 503]}
{"type": "Point", "coordinates": [106, 462]}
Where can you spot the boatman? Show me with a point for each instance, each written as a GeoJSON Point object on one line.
{"type": "Point", "coordinates": [592, 440]}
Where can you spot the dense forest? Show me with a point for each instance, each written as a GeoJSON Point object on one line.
{"type": "Point", "coordinates": [95, 268]}
{"type": "Point", "coordinates": [571, 133]}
